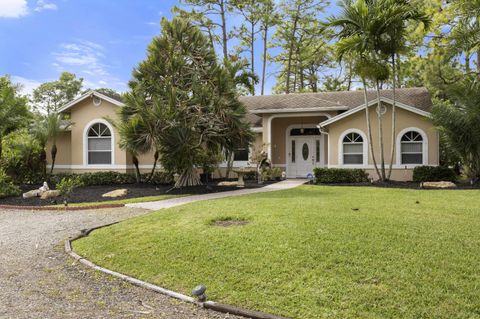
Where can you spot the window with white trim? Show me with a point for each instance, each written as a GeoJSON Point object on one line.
{"type": "Point", "coordinates": [353, 149]}
{"type": "Point", "coordinates": [411, 147]}
{"type": "Point", "coordinates": [99, 145]}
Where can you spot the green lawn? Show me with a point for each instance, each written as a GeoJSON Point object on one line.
{"type": "Point", "coordinates": [307, 254]}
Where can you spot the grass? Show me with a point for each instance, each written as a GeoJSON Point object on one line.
{"type": "Point", "coordinates": [125, 201]}
{"type": "Point", "coordinates": [307, 253]}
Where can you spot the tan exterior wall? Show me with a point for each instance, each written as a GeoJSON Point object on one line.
{"type": "Point", "coordinates": [84, 113]}
{"type": "Point", "coordinates": [405, 119]}
{"type": "Point", "coordinates": [64, 150]}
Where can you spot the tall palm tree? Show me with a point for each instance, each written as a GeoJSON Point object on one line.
{"type": "Point", "coordinates": [358, 39]}
{"type": "Point", "coordinates": [56, 124]}
{"type": "Point", "coordinates": [374, 31]}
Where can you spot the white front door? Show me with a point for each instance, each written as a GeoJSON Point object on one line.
{"type": "Point", "coordinates": [304, 154]}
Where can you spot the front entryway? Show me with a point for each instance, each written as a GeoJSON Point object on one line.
{"type": "Point", "coordinates": [304, 151]}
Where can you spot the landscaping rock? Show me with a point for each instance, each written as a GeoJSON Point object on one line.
{"type": "Point", "coordinates": [228, 184]}
{"type": "Point", "coordinates": [441, 185]}
{"type": "Point", "coordinates": [50, 194]}
{"type": "Point", "coordinates": [32, 193]}
{"type": "Point", "coordinates": [116, 193]}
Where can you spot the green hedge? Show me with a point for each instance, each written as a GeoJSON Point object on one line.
{"type": "Point", "coordinates": [340, 175]}
{"type": "Point", "coordinates": [433, 174]}
{"type": "Point", "coordinates": [7, 188]}
{"type": "Point", "coordinates": [113, 178]}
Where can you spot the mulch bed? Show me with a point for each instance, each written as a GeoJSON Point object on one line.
{"type": "Point", "coordinates": [94, 193]}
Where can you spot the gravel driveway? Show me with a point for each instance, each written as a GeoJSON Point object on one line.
{"type": "Point", "coordinates": [38, 280]}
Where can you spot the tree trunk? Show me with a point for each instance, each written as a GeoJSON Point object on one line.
{"type": "Point", "coordinates": [188, 178]}
{"type": "Point", "coordinates": [230, 157]}
{"type": "Point", "coordinates": [155, 157]}
{"type": "Point", "coordinates": [264, 66]}
{"type": "Point", "coordinates": [380, 133]}
{"type": "Point", "coordinates": [137, 169]}
{"type": "Point", "coordinates": [53, 152]}
{"type": "Point", "coordinates": [290, 53]}
{"type": "Point", "coordinates": [224, 30]}
{"type": "Point", "coordinates": [252, 53]}
{"type": "Point", "coordinates": [394, 117]}
{"type": "Point", "coordinates": [369, 129]}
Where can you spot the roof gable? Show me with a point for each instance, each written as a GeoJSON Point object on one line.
{"type": "Point", "coordinates": [373, 102]}
{"type": "Point", "coordinates": [90, 94]}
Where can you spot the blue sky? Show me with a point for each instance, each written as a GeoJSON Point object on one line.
{"type": "Point", "coordinates": [99, 40]}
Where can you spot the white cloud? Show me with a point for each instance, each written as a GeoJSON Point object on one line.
{"type": "Point", "coordinates": [13, 8]}
{"type": "Point", "coordinates": [88, 60]}
{"type": "Point", "coordinates": [44, 5]}
{"type": "Point", "coordinates": [28, 85]}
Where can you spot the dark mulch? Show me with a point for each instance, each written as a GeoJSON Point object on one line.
{"type": "Point", "coordinates": [94, 193]}
{"type": "Point", "coordinates": [406, 185]}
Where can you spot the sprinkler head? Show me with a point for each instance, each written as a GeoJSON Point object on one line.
{"type": "Point", "coordinates": [199, 292]}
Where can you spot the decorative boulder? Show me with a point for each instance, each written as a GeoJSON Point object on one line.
{"type": "Point", "coordinates": [116, 193]}
{"type": "Point", "coordinates": [228, 184]}
{"type": "Point", "coordinates": [32, 193]}
{"type": "Point", "coordinates": [50, 194]}
{"type": "Point", "coordinates": [441, 185]}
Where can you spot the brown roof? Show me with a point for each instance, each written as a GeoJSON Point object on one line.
{"type": "Point", "coordinates": [415, 97]}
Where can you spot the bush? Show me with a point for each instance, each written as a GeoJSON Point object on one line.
{"type": "Point", "coordinates": [340, 175]}
{"type": "Point", "coordinates": [433, 174]}
{"type": "Point", "coordinates": [67, 185]}
{"type": "Point", "coordinates": [113, 178]}
{"type": "Point", "coordinates": [276, 173]}
{"type": "Point", "coordinates": [7, 188]}
{"type": "Point", "coordinates": [250, 176]}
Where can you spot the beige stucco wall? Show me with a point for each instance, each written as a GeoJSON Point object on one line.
{"type": "Point", "coordinates": [405, 119]}
{"type": "Point", "coordinates": [84, 113]}
{"type": "Point", "coordinates": [64, 151]}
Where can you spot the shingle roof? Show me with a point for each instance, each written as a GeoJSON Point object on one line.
{"type": "Point", "coordinates": [415, 97]}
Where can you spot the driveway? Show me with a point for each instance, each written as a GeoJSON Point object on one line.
{"type": "Point", "coordinates": [38, 280]}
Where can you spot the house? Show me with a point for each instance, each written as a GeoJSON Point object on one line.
{"type": "Point", "coordinates": [298, 132]}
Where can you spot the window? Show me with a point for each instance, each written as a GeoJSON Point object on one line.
{"type": "Point", "coordinates": [411, 148]}
{"type": "Point", "coordinates": [241, 154]}
{"type": "Point", "coordinates": [317, 151]}
{"type": "Point", "coordinates": [304, 131]}
{"type": "Point", "coordinates": [99, 145]}
{"type": "Point", "coordinates": [293, 151]}
{"type": "Point", "coordinates": [352, 149]}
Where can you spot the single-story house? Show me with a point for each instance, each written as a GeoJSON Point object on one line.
{"type": "Point", "coordinates": [298, 132]}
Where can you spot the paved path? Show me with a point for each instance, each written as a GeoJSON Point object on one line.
{"type": "Point", "coordinates": [287, 184]}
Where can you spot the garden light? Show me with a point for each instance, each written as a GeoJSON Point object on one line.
{"type": "Point", "coordinates": [199, 292]}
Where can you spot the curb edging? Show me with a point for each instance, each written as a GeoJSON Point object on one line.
{"type": "Point", "coordinates": [212, 305]}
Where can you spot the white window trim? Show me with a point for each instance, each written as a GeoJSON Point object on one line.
{"type": "Point", "coordinates": [85, 144]}
{"type": "Point", "coordinates": [364, 148]}
{"type": "Point", "coordinates": [398, 149]}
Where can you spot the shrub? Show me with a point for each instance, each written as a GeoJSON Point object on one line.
{"type": "Point", "coordinates": [276, 173]}
{"type": "Point", "coordinates": [7, 188]}
{"type": "Point", "coordinates": [159, 178]}
{"type": "Point", "coordinates": [340, 175]}
{"type": "Point", "coordinates": [433, 174]}
{"type": "Point", "coordinates": [67, 185]}
{"type": "Point", "coordinates": [114, 178]}
{"type": "Point", "coordinates": [250, 176]}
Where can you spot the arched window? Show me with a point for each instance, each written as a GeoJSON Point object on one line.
{"type": "Point", "coordinates": [99, 145]}
{"type": "Point", "coordinates": [353, 149]}
{"type": "Point", "coordinates": [411, 148]}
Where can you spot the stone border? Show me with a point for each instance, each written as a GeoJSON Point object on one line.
{"type": "Point", "coordinates": [212, 305]}
{"type": "Point", "coordinates": [60, 208]}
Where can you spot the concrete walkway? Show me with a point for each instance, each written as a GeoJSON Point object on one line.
{"type": "Point", "coordinates": [287, 184]}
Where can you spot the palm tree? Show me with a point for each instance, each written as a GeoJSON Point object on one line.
{"type": "Point", "coordinates": [398, 15]}
{"type": "Point", "coordinates": [40, 134]}
{"type": "Point", "coordinates": [373, 31]}
{"type": "Point", "coordinates": [56, 124]}
{"type": "Point", "coordinates": [358, 40]}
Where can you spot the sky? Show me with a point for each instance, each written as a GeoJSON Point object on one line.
{"type": "Point", "coordinates": [98, 40]}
